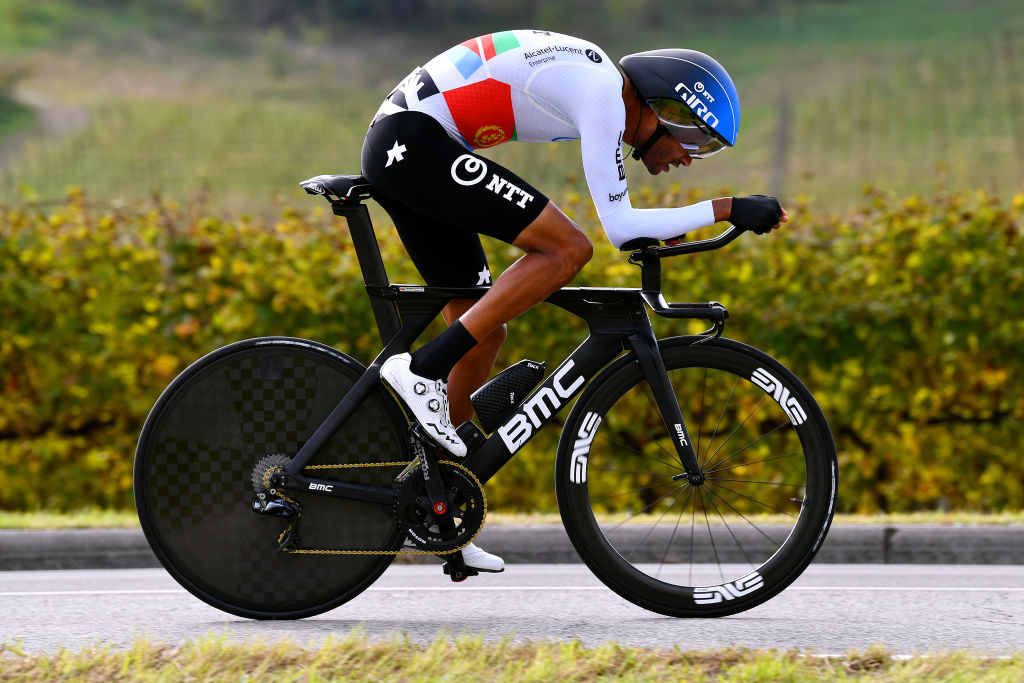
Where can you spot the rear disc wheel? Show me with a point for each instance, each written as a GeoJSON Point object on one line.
{"type": "Point", "coordinates": [194, 467]}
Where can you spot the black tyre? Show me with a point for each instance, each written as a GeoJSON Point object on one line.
{"type": "Point", "coordinates": [723, 546]}
{"type": "Point", "coordinates": [194, 490]}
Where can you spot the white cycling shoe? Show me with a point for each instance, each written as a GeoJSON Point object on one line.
{"type": "Point", "coordinates": [481, 560]}
{"type": "Point", "coordinates": [428, 401]}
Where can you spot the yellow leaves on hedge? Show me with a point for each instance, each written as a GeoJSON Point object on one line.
{"type": "Point", "coordinates": [187, 328]}
{"type": "Point", "coordinates": [165, 366]}
{"type": "Point", "coordinates": [904, 316]}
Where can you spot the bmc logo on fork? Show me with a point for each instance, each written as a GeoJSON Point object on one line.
{"type": "Point", "coordinates": [681, 434]}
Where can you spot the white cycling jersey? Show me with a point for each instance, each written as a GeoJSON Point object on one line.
{"type": "Point", "coordinates": [539, 86]}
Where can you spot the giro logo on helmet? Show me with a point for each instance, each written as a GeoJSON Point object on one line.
{"type": "Point", "coordinates": [694, 102]}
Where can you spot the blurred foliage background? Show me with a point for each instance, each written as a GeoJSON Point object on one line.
{"type": "Point", "coordinates": [149, 212]}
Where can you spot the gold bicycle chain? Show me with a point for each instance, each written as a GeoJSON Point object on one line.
{"type": "Point", "coordinates": [326, 551]}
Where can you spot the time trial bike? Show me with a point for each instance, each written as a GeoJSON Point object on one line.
{"type": "Point", "coordinates": [277, 478]}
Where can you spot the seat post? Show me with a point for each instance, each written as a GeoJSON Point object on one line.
{"type": "Point", "coordinates": [372, 267]}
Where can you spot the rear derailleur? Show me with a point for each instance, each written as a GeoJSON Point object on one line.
{"type": "Point", "coordinates": [268, 501]}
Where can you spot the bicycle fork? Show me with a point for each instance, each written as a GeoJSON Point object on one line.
{"type": "Point", "coordinates": [645, 346]}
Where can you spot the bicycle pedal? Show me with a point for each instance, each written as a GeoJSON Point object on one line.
{"type": "Point", "coordinates": [471, 436]}
{"type": "Point", "coordinates": [458, 576]}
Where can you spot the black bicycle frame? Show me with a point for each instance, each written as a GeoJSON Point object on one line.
{"type": "Point", "coordinates": [617, 320]}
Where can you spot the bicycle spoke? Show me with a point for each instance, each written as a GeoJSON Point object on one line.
{"type": "Point", "coordinates": [656, 523]}
{"type": "Point", "coordinates": [718, 424]}
{"type": "Point", "coordinates": [671, 538]}
{"type": "Point", "coordinates": [700, 420]}
{"type": "Point", "coordinates": [653, 474]}
{"type": "Point", "coordinates": [677, 466]}
{"type": "Point", "coordinates": [733, 432]}
{"type": "Point", "coordinates": [753, 481]}
{"type": "Point", "coordinates": [693, 519]}
{"type": "Point", "coordinates": [728, 528]}
{"type": "Point", "coordinates": [753, 462]}
{"type": "Point", "coordinates": [608, 496]}
{"type": "Point", "coordinates": [754, 500]}
{"type": "Point", "coordinates": [763, 436]}
{"type": "Point", "coordinates": [640, 512]}
{"type": "Point", "coordinates": [711, 536]}
{"type": "Point", "coordinates": [745, 518]}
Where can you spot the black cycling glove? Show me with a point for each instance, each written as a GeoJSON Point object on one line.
{"type": "Point", "coordinates": [756, 213]}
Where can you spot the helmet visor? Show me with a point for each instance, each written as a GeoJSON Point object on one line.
{"type": "Point", "coordinates": [696, 137]}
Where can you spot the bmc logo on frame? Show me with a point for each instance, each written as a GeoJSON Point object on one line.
{"type": "Point", "coordinates": [546, 401]}
{"type": "Point", "coordinates": [728, 591]}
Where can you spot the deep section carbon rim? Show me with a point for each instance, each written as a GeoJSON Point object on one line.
{"type": "Point", "coordinates": [724, 545]}
{"type": "Point", "coordinates": [193, 478]}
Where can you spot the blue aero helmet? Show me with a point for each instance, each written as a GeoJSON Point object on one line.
{"type": "Point", "coordinates": [692, 95]}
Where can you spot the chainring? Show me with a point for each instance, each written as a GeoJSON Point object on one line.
{"type": "Point", "coordinates": [467, 504]}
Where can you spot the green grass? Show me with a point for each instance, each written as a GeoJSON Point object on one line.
{"type": "Point", "coordinates": [905, 96]}
{"type": "Point", "coordinates": [355, 657]}
{"type": "Point", "coordinates": [115, 519]}
{"type": "Point", "coordinates": [14, 117]}
{"type": "Point", "coordinates": [82, 519]}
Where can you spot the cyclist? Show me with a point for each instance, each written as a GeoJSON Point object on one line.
{"type": "Point", "coordinates": [671, 106]}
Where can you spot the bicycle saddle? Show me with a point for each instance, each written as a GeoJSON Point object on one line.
{"type": "Point", "coordinates": [348, 189]}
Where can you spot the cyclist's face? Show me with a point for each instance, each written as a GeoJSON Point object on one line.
{"type": "Point", "coordinates": [666, 154]}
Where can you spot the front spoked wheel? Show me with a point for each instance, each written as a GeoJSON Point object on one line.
{"type": "Point", "coordinates": [729, 543]}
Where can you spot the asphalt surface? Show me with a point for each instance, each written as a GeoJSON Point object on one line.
{"type": "Point", "coordinates": [830, 609]}
{"type": "Point", "coordinates": [854, 544]}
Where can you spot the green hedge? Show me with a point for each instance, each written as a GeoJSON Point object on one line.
{"type": "Point", "coordinates": [905, 317]}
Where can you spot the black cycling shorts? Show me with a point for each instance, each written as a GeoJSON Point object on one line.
{"type": "Point", "coordinates": [440, 196]}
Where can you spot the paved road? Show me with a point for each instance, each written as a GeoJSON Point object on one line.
{"type": "Point", "coordinates": [831, 608]}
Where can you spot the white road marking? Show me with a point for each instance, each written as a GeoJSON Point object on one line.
{"type": "Point", "coordinates": [498, 589]}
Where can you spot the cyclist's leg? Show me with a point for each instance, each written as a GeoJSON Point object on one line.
{"type": "Point", "coordinates": [555, 249]}
{"type": "Point", "coordinates": [413, 163]}
{"type": "Point", "coordinates": [474, 368]}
